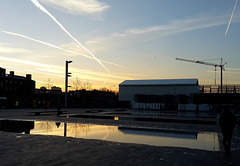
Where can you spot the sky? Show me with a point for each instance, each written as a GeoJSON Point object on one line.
{"type": "Point", "coordinates": [110, 41]}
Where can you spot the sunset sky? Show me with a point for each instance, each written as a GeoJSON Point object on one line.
{"type": "Point", "coordinates": [110, 41]}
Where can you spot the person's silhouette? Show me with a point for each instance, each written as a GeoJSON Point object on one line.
{"type": "Point", "coordinates": [58, 107]}
{"type": "Point", "coordinates": [227, 122]}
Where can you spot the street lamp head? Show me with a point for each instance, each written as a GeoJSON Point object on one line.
{"type": "Point", "coordinates": [69, 61]}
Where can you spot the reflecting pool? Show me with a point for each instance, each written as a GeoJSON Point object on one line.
{"type": "Point", "coordinates": [202, 140]}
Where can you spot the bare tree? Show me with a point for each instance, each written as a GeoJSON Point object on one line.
{"type": "Point", "coordinates": [104, 89]}
{"type": "Point", "coordinates": [76, 84]}
{"type": "Point", "coordinates": [48, 84]}
{"type": "Point", "coordinates": [87, 85]}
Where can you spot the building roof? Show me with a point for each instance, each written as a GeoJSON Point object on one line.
{"type": "Point", "coordinates": [17, 77]}
{"type": "Point", "coordinates": [159, 82]}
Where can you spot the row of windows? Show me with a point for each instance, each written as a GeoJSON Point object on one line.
{"type": "Point", "coordinates": [12, 86]}
{"type": "Point", "coordinates": [14, 82]}
{"type": "Point", "coordinates": [2, 73]}
{"type": "Point", "coordinates": [11, 90]}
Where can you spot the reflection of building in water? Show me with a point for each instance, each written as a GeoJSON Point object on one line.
{"type": "Point", "coordinates": [170, 134]}
{"type": "Point", "coordinates": [16, 126]}
{"type": "Point", "coordinates": [206, 141]}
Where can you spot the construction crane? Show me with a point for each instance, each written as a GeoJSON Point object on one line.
{"type": "Point", "coordinates": [207, 63]}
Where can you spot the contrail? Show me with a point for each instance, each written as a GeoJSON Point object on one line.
{"type": "Point", "coordinates": [231, 17]}
{"type": "Point", "coordinates": [37, 4]}
{"type": "Point", "coordinates": [42, 42]}
{"type": "Point", "coordinates": [54, 46]}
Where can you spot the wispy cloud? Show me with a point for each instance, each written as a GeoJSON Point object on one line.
{"type": "Point", "coordinates": [34, 71]}
{"type": "Point", "coordinates": [71, 48]}
{"type": "Point", "coordinates": [76, 49]}
{"type": "Point", "coordinates": [53, 70]}
{"type": "Point", "coordinates": [155, 32]}
{"type": "Point", "coordinates": [12, 50]}
{"type": "Point", "coordinates": [228, 70]}
{"type": "Point", "coordinates": [77, 7]}
{"type": "Point", "coordinates": [233, 69]}
{"type": "Point", "coordinates": [30, 63]}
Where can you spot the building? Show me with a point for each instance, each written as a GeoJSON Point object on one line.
{"type": "Point", "coordinates": [92, 99]}
{"type": "Point", "coordinates": [16, 89]}
{"type": "Point", "coordinates": [51, 96]}
{"type": "Point", "coordinates": [54, 88]}
{"type": "Point", "coordinates": [168, 94]}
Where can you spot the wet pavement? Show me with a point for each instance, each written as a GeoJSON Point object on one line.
{"type": "Point", "coordinates": [25, 149]}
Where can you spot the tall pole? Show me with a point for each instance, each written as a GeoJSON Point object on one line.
{"type": "Point", "coordinates": [66, 84]}
{"type": "Point", "coordinates": [221, 79]}
{"type": "Point", "coordinates": [66, 81]}
{"type": "Point", "coordinates": [221, 74]}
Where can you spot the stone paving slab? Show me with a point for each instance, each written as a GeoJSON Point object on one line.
{"type": "Point", "coordinates": [18, 149]}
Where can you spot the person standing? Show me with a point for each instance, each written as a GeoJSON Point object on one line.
{"type": "Point", "coordinates": [16, 104]}
{"type": "Point", "coordinates": [58, 106]}
{"type": "Point", "coordinates": [227, 123]}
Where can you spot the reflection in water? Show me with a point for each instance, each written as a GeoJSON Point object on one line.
{"type": "Point", "coordinates": [58, 124]}
{"type": "Point", "coordinates": [169, 133]}
{"type": "Point", "coordinates": [61, 129]}
{"type": "Point", "coordinates": [16, 126]}
{"type": "Point", "coordinates": [46, 126]}
{"type": "Point", "coordinates": [76, 130]}
{"type": "Point", "coordinates": [65, 129]}
{"type": "Point", "coordinates": [203, 140]}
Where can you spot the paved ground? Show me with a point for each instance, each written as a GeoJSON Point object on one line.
{"type": "Point", "coordinates": [19, 149]}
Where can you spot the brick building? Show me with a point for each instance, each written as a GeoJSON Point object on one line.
{"type": "Point", "coordinates": [14, 88]}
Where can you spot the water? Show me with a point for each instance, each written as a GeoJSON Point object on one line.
{"type": "Point", "coordinates": [202, 140]}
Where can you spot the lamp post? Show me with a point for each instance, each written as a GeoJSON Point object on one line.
{"type": "Point", "coordinates": [67, 74]}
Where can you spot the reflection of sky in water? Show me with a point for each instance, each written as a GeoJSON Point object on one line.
{"type": "Point", "coordinates": [160, 133]}
{"type": "Point", "coordinates": [203, 140]}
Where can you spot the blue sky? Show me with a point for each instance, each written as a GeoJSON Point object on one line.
{"type": "Point", "coordinates": [136, 39]}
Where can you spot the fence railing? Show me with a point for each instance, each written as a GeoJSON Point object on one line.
{"type": "Point", "coordinates": [217, 89]}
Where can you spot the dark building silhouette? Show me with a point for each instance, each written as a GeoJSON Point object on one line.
{"type": "Point", "coordinates": [92, 99]}
{"type": "Point", "coordinates": [16, 89]}
{"type": "Point", "coordinates": [76, 99]}
{"type": "Point", "coordinates": [51, 96]}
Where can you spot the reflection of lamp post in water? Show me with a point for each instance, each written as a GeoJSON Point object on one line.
{"type": "Point", "coordinates": [58, 124]}
{"type": "Point", "coordinates": [65, 129]}
{"type": "Point", "coordinates": [67, 74]}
